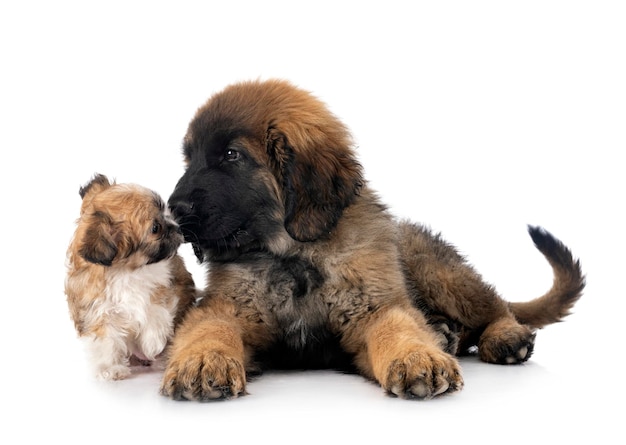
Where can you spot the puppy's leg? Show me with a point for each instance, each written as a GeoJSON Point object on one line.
{"type": "Point", "coordinates": [109, 356]}
{"type": "Point", "coordinates": [206, 358]}
{"type": "Point", "coordinates": [441, 281]}
{"type": "Point", "coordinates": [158, 329]}
{"type": "Point", "coordinates": [448, 331]}
{"type": "Point", "coordinates": [402, 353]}
{"type": "Point", "coordinates": [462, 294]}
{"type": "Point", "coordinates": [505, 341]}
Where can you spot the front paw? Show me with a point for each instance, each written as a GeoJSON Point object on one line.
{"type": "Point", "coordinates": [423, 375]}
{"type": "Point", "coordinates": [113, 372]}
{"type": "Point", "coordinates": [150, 346]}
{"type": "Point", "coordinates": [203, 377]}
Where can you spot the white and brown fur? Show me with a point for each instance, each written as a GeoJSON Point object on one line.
{"type": "Point", "coordinates": [127, 288]}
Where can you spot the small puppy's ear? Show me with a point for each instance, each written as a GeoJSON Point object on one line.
{"type": "Point", "coordinates": [98, 245]}
{"type": "Point", "coordinates": [96, 185]}
{"type": "Point", "coordinates": [320, 177]}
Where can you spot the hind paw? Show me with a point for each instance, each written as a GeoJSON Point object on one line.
{"type": "Point", "coordinates": [447, 331]}
{"type": "Point", "coordinates": [506, 342]}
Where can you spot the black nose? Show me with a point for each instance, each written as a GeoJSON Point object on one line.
{"type": "Point", "coordinates": [180, 209]}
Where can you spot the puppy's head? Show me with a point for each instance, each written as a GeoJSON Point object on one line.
{"type": "Point", "coordinates": [267, 163]}
{"type": "Point", "coordinates": [124, 224]}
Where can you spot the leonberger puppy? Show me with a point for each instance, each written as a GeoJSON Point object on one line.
{"type": "Point", "coordinates": [308, 269]}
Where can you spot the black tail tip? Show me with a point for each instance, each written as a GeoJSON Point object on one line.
{"type": "Point", "coordinates": [543, 239]}
{"type": "Point", "coordinates": [555, 250]}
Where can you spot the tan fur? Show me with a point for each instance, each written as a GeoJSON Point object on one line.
{"type": "Point", "coordinates": [321, 270]}
{"type": "Point", "coordinates": [126, 287]}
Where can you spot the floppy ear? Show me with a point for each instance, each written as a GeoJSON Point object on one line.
{"type": "Point", "coordinates": [320, 177]}
{"type": "Point", "coordinates": [98, 183]}
{"type": "Point", "coordinates": [97, 244]}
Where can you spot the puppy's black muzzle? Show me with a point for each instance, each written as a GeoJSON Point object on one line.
{"type": "Point", "coordinates": [182, 211]}
{"type": "Point", "coordinates": [188, 224]}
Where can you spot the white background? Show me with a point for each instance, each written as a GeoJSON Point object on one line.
{"type": "Point", "coordinates": [476, 118]}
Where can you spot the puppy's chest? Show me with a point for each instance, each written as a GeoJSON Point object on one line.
{"type": "Point", "coordinates": [290, 295]}
{"type": "Point", "coordinates": [134, 292]}
{"type": "Point", "coordinates": [292, 292]}
{"type": "Point", "coordinates": [293, 278]}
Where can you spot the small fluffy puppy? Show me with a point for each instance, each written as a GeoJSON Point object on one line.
{"type": "Point", "coordinates": [126, 286]}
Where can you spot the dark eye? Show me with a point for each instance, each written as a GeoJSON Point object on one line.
{"type": "Point", "coordinates": [231, 155]}
{"type": "Point", "coordinates": [156, 227]}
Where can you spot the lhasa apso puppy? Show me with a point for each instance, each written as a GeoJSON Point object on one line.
{"type": "Point", "coordinates": [127, 287]}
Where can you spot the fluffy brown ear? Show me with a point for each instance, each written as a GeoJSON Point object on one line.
{"type": "Point", "coordinates": [320, 177]}
{"type": "Point", "coordinates": [97, 244]}
{"type": "Point", "coordinates": [98, 183]}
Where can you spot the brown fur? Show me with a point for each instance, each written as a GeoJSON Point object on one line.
{"type": "Point", "coordinates": [126, 287]}
{"type": "Point", "coordinates": [308, 269]}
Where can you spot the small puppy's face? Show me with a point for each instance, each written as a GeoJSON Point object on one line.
{"type": "Point", "coordinates": [124, 224]}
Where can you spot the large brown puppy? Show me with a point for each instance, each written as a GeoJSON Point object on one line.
{"type": "Point", "coordinates": [307, 267]}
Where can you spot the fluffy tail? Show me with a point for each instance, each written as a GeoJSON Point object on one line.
{"type": "Point", "coordinates": [567, 287]}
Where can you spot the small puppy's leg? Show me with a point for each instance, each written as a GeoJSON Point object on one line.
{"type": "Point", "coordinates": [206, 358]}
{"type": "Point", "coordinates": [156, 332]}
{"type": "Point", "coordinates": [109, 356]}
{"type": "Point", "coordinates": [404, 356]}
